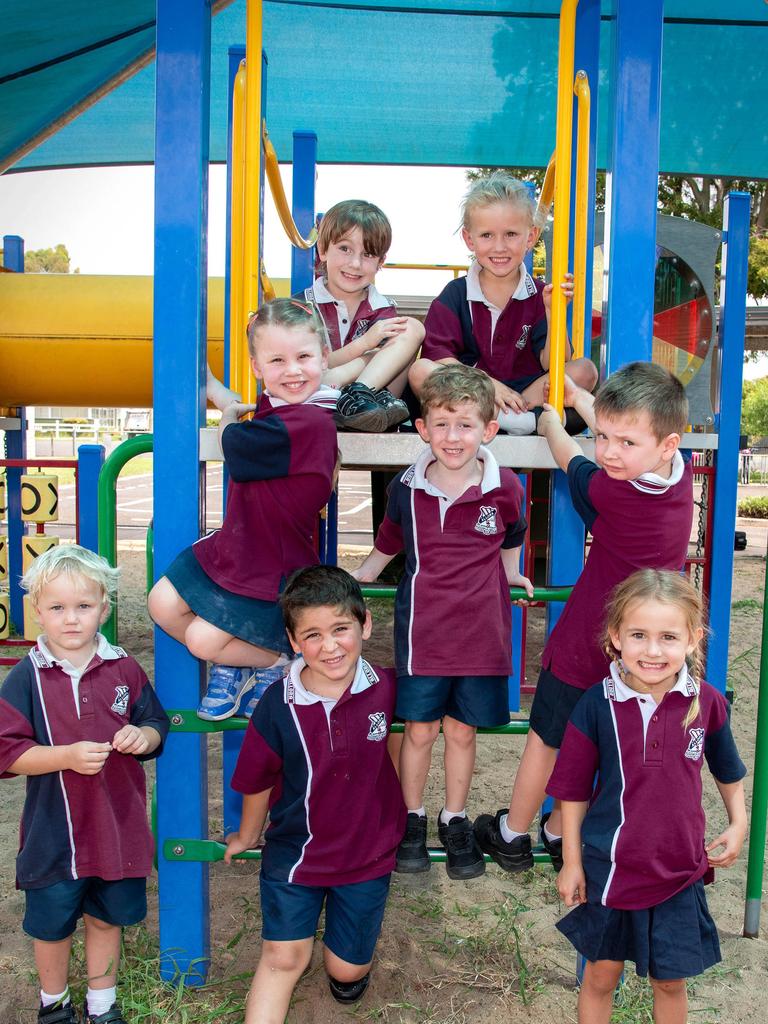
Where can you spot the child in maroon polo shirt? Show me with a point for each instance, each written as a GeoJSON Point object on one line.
{"type": "Point", "coordinates": [497, 317]}
{"type": "Point", "coordinates": [458, 516]}
{"type": "Point", "coordinates": [637, 502]}
{"type": "Point", "coordinates": [371, 347]}
{"type": "Point", "coordinates": [77, 716]}
{"type": "Point", "coordinates": [315, 759]}
{"type": "Point", "coordinates": [634, 848]}
{"type": "Point", "coordinates": [220, 596]}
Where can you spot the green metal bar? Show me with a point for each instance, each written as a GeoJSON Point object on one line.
{"type": "Point", "coordinates": [186, 720]}
{"type": "Point", "coordinates": [208, 851]}
{"type": "Point", "coordinates": [110, 471]}
{"type": "Point", "coordinates": [756, 862]}
{"type": "Point", "coordinates": [515, 593]}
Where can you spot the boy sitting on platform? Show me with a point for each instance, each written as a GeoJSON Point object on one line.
{"type": "Point", "coordinates": [78, 716]}
{"type": "Point", "coordinates": [458, 516]}
{"type": "Point", "coordinates": [315, 758]}
{"type": "Point", "coordinates": [637, 502]}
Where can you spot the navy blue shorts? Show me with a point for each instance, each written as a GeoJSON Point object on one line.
{"type": "Point", "coordinates": [353, 915]}
{"type": "Point", "coordinates": [553, 702]}
{"type": "Point", "coordinates": [52, 912]}
{"type": "Point", "coordinates": [676, 939]}
{"type": "Point", "coordinates": [473, 700]}
{"type": "Point", "coordinates": [256, 622]}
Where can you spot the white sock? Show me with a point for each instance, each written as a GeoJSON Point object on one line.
{"type": "Point", "coordinates": [100, 1000]}
{"type": "Point", "coordinates": [518, 423]}
{"type": "Point", "coordinates": [419, 810]}
{"type": "Point", "coordinates": [48, 1000]}
{"type": "Point", "coordinates": [551, 836]}
{"type": "Point", "coordinates": [445, 816]}
{"type": "Point", "coordinates": [507, 834]}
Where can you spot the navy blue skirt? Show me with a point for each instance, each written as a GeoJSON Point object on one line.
{"type": "Point", "coordinates": [676, 939]}
{"type": "Point", "coordinates": [257, 622]}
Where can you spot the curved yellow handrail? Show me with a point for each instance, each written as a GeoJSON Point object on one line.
{"type": "Point", "coordinates": [272, 168]}
{"type": "Point", "coordinates": [456, 268]}
{"type": "Point", "coordinates": [267, 288]}
{"type": "Point", "coordinates": [561, 227]}
{"type": "Point", "coordinates": [545, 197]}
{"type": "Point", "coordinates": [581, 88]}
{"type": "Point", "coordinates": [236, 306]}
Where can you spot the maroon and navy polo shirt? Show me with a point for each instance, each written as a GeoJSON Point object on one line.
{"type": "Point", "coordinates": [463, 324]}
{"type": "Point", "coordinates": [281, 466]}
{"type": "Point", "coordinates": [76, 826]}
{"type": "Point", "coordinates": [340, 325]}
{"type": "Point", "coordinates": [644, 832]}
{"type": "Point", "coordinates": [635, 524]}
{"type": "Point", "coordinates": [452, 609]}
{"type": "Point", "coordinates": [336, 812]}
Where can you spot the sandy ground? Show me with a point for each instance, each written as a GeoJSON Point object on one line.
{"type": "Point", "coordinates": [480, 951]}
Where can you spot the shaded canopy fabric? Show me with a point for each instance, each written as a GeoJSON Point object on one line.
{"type": "Point", "coordinates": [456, 82]}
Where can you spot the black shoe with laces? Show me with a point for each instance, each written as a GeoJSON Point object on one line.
{"type": "Point", "coordinates": [554, 847]}
{"type": "Point", "coordinates": [412, 856]}
{"type": "Point", "coordinates": [358, 408]}
{"type": "Point", "coordinates": [58, 1014]}
{"type": "Point", "coordinates": [348, 991]}
{"type": "Point", "coordinates": [514, 856]}
{"type": "Point", "coordinates": [111, 1016]}
{"type": "Point", "coordinates": [395, 408]}
{"type": "Point", "coordinates": [464, 858]}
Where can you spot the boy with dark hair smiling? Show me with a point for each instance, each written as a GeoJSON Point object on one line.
{"type": "Point", "coordinates": [315, 759]}
{"type": "Point", "coordinates": [636, 500]}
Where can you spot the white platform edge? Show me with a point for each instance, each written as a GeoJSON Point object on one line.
{"type": "Point", "coordinates": [390, 451]}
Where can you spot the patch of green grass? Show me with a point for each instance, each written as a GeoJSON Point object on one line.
{"type": "Point", "coordinates": [747, 604]}
{"type": "Point", "coordinates": [425, 904]}
{"type": "Point", "coordinates": [633, 1002]}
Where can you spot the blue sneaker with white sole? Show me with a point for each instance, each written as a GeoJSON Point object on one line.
{"type": "Point", "coordinates": [261, 678]}
{"type": "Point", "coordinates": [227, 688]}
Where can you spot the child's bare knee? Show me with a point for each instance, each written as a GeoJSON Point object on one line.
{"type": "Point", "coordinates": [422, 734]}
{"type": "Point", "coordinates": [584, 373]}
{"type": "Point", "coordinates": [418, 373]}
{"type": "Point", "coordinates": [669, 986]}
{"type": "Point", "coordinates": [97, 925]}
{"type": "Point", "coordinates": [286, 957]}
{"type": "Point", "coordinates": [602, 976]}
{"type": "Point", "coordinates": [162, 601]}
{"type": "Point", "coordinates": [201, 642]}
{"type": "Point", "coordinates": [342, 970]}
{"type": "Point", "coordinates": [458, 733]}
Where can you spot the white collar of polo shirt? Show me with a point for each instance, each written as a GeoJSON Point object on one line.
{"type": "Point", "coordinates": [656, 484]}
{"type": "Point", "coordinates": [415, 476]}
{"type": "Point", "coordinates": [297, 693]}
{"type": "Point", "coordinates": [526, 286]}
{"type": "Point", "coordinates": [375, 299]}
{"type": "Point", "coordinates": [104, 649]}
{"type": "Point", "coordinates": [616, 689]}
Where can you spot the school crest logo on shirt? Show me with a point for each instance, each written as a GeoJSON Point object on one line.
{"type": "Point", "coordinates": [120, 707]}
{"type": "Point", "coordinates": [360, 329]}
{"type": "Point", "coordinates": [695, 744]}
{"type": "Point", "coordinates": [522, 341]}
{"type": "Point", "coordinates": [486, 520]}
{"type": "Point", "coordinates": [378, 728]}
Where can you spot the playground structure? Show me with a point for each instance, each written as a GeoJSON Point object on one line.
{"type": "Point", "coordinates": [182, 445]}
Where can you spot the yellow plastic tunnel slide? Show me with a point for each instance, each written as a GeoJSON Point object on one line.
{"type": "Point", "coordinates": [72, 339]}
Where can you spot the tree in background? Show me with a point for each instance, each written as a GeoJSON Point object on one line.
{"type": "Point", "coordinates": [48, 261]}
{"type": "Point", "coordinates": [754, 408]}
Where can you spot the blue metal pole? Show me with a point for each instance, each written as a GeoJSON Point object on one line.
{"type": "Point", "coordinates": [733, 297]}
{"type": "Point", "coordinates": [180, 303]}
{"type": "Point", "coordinates": [303, 206]}
{"type": "Point", "coordinates": [90, 459]}
{"type": "Point", "coordinates": [13, 253]}
{"type": "Point", "coordinates": [15, 448]}
{"type": "Point", "coordinates": [630, 227]}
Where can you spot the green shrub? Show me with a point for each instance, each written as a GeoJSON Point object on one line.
{"type": "Point", "coordinates": [753, 508]}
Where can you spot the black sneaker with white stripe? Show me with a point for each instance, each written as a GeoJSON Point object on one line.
{"type": "Point", "coordinates": [358, 408]}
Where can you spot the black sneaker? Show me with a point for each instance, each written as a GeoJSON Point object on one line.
{"type": "Point", "coordinates": [396, 409]}
{"type": "Point", "coordinates": [464, 858]}
{"type": "Point", "coordinates": [554, 847]}
{"type": "Point", "coordinates": [359, 409]}
{"type": "Point", "coordinates": [412, 856]}
{"type": "Point", "coordinates": [348, 991]}
{"type": "Point", "coordinates": [514, 856]}
{"type": "Point", "coordinates": [111, 1016]}
{"type": "Point", "coordinates": [58, 1014]}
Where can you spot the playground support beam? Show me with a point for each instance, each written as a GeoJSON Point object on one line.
{"type": "Point", "coordinates": [181, 216]}
{"type": "Point", "coordinates": [632, 185]}
{"type": "Point", "coordinates": [303, 206]}
{"type": "Point", "coordinates": [730, 349]}
{"type": "Point", "coordinates": [15, 448]}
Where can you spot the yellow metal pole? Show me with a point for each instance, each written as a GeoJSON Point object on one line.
{"type": "Point", "coordinates": [580, 254]}
{"type": "Point", "coordinates": [562, 198]}
{"type": "Point", "coordinates": [252, 185]}
{"type": "Point", "coordinates": [236, 305]}
{"type": "Point", "coordinates": [272, 167]}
